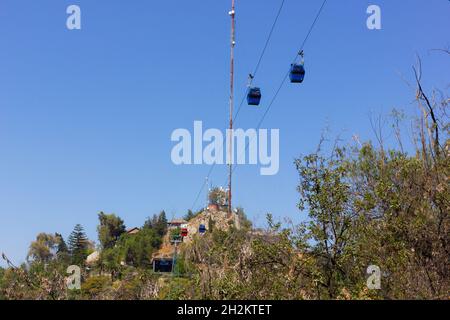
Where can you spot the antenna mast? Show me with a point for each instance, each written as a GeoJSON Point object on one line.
{"type": "Point", "coordinates": [232, 13]}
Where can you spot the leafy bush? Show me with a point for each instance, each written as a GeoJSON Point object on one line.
{"type": "Point", "coordinates": [93, 287]}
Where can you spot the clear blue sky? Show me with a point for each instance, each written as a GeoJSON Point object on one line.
{"type": "Point", "coordinates": [86, 116]}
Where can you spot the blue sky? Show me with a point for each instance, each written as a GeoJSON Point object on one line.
{"type": "Point", "coordinates": [86, 115]}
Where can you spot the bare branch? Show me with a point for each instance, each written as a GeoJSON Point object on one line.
{"type": "Point", "coordinates": [423, 97]}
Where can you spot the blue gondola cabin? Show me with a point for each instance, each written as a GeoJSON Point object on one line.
{"type": "Point", "coordinates": [254, 96]}
{"type": "Point", "coordinates": [202, 228]}
{"type": "Point", "coordinates": [297, 73]}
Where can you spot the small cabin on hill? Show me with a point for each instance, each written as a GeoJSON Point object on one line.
{"type": "Point", "coordinates": [162, 265]}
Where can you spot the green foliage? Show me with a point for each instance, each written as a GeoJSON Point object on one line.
{"type": "Point", "coordinates": [175, 234]}
{"type": "Point", "coordinates": [109, 230]}
{"type": "Point", "coordinates": [157, 223]}
{"type": "Point", "coordinates": [136, 250]}
{"type": "Point", "coordinates": [95, 286]}
{"type": "Point", "coordinates": [110, 260]}
{"type": "Point", "coordinates": [245, 223]}
{"type": "Point", "coordinates": [325, 193]}
{"type": "Point", "coordinates": [161, 226]}
{"type": "Point", "coordinates": [2, 274]}
{"type": "Point", "coordinates": [189, 215]}
{"type": "Point", "coordinates": [369, 206]}
{"type": "Point", "coordinates": [62, 251]}
{"type": "Point", "coordinates": [132, 250]}
{"type": "Point", "coordinates": [180, 268]}
{"type": "Point", "coordinates": [78, 246]}
{"type": "Point", "coordinates": [62, 246]}
{"type": "Point", "coordinates": [179, 289]}
{"type": "Point", "coordinates": [43, 249]}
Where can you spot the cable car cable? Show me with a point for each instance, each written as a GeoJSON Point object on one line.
{"type": "Point", "coordinates": [287, 75]}
{"type": "Point", "coordinates": [269, 37]}
{"type": "Point", "coordinates": [203, 185]}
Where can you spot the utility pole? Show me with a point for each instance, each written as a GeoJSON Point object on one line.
{"type": "Point", "coordinates": [174, 257]}
{"type": "Point", "coordinates": [232, 13]}
{"type": "Point", "coordinates": [207, 193]}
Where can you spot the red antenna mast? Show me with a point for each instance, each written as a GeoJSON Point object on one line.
{"type": "Point", "coordinates": [232, 13]}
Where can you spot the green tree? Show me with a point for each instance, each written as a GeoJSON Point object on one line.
{"type": "Point", "coordinates": [325, 193]}
{"type": "Point", "coordinates": [62, 251]}
{"type": "Point", "coordinates": [93, 287]}
{"type": "Point", "coordinates": [137, 249]}
{"type": "Point", "coordinates": [109, 230]}
{"type": "Point", "coordinates": [161, 227]}
{"type": "Point", "coordinates": [244, 221]}
{"type": "Point", "coordinates": [158, 223]}
{"type": "Point", "coordinates": [43, 249]}
{"type": "Point", "coordinates": [189, 215]}
{"type": "Point", "coordinates": [110, 260]}
{"type": "Point", "coordinates": [62, 246]}
{"type": "Point", "coordinates": [78, 245]}
{"type": "Point", "coordinates": [150, 222]}
{"type": "Point", "coordinates": [175, 234]}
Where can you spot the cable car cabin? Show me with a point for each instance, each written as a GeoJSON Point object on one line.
{"type": "Point", "coordinates": [184, 232]}
{"type": "Point", "coordinates": [202, 228]}
{"type": "Point", "coordinates": [254, 96]}
{"type": "Point", "coordinates": [162, 265]}
{"type": "Point", "coordinates": [297, 74]}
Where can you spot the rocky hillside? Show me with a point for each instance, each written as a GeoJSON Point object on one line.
{"type": "Point", "coordinates": [219, 218]}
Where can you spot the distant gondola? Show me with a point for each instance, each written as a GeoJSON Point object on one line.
{"type": "Point", "coordinates": [297, 73]}
{"type": "Point", "coordinates": [254, 96]}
